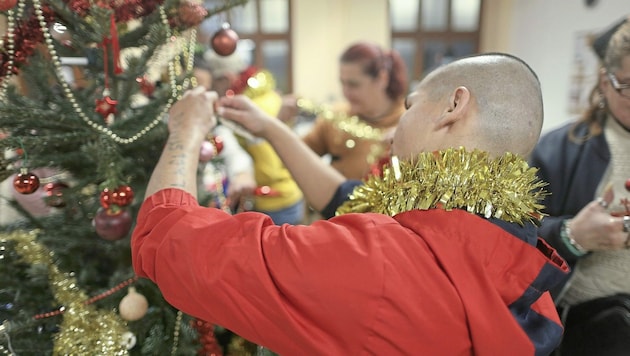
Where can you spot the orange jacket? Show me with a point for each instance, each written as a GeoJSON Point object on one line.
{"type": "Point", "coordinates": [429, 282]}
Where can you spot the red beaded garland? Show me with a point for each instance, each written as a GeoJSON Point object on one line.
{"type": "Point", "coordinates": [96, 298]}
{"type": "Point", "coordinates": [207, 339]}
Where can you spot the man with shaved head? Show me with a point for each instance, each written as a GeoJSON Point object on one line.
{"type": "Point", "coordinates": [437, 256]}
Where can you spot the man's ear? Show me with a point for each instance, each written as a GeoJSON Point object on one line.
{"type": "Point", "coordinates": [457, 106]}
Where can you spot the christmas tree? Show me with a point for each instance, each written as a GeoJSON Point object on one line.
{"type": "Point", "coordinates": [85, 87]}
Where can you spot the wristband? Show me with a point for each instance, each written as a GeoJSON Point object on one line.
{"type": "Point", "coordinates": [573, 246]}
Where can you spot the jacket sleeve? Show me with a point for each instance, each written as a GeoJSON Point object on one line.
{"type": "Point", "coordinates": [269, 284]}
{"type": "Point", "coordinates": [573, 169]}
{"type": "Point", "coordinates": [552, 159]}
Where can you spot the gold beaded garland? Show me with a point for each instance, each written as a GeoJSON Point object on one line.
{"type": "Point", "coordinates": [176, 89]}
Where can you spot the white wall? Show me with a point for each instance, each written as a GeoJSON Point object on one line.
{"type": "Point", "coordinates": [542, 33]}
{"type": "Point", "coordinates": [539, 31]}
{"type": "Point", "coordinates": [322, 30]}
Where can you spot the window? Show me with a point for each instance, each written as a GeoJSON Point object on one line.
{"type": "Point", "coordinates": [428, 33]}
{"type": "Point", "coordinates": [264, 29]}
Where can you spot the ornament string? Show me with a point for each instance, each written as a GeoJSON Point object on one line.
{"type": "Point", "coordinates": [113, 32]}
{"type": "Point", "coordinates": [24, 153]}
{"type": "Point", "coordinates": [92, 300]}
{"type": "Point", "coordinates": [112, 40]}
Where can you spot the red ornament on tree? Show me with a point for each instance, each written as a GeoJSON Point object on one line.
{"type": "Point", "coordinates": [54, 194]}
{"type": "Point", "coordinates": [26, 182]}
{"type": "Point", "coordinates": [146, 86]}
{"type": "Point", "coordinates": [217, 141]}
{"type": "Point", "coordinates": [207, 151]}
{"type": "Point", "coordinates": [224, 41]}
{"type": "Point", "coordinates": [122, 196]}
{"type": "Point", "coordinates": [6, 5]}
{"type": "Point", "coordinates": [628, 184]}
{"type": "Point", "coordinates": [112, 225]}
{"type": "Point", "coordinates": [106, 106]}
{"type": "Point", "coordinates": [106, 198]}
{"type": "Point", "coordinates": [191, 13]}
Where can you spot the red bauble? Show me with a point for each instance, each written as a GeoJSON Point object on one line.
{"type": "Point", "coordinates": [112, 225]}
{"type": "Point", "coordinates": [54, 194]}
{"type": "Point", "coordinates": [628, 185]}
{"type": "Point", "coordinates": [106, 198]}
{"type": "Point", "coordinates": [146, 86]}
{"type": "Point", "coordinates": [122, 196]}
{"type": "Point", "coordinates": [207, 151]}
{"type": "Point", "coordinates": [26, 182]}
{"type": "Point", "coordinates": [191, 13]}
{"type": "Point", "coordinates": [6, 5]}
{"type": "Point", "coordinates": [217, 141]}
{"type": "Point", "coordinates": [224, 41]}
{"type": "Point", "coordinates": [105, 106]}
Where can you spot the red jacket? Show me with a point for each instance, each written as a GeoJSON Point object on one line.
{"type": "Point", "coordinates": [423, 282]}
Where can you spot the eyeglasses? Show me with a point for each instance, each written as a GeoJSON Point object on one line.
{"type": "Point", "coordinates": [622, 89]}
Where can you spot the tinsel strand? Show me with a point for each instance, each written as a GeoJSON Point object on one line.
{"type": "Point", "coordinates": [504, 188]}
{"type": "Point", "coordinates": [352, 125]}
{"type": "Point", "coordinates": [83, 330]}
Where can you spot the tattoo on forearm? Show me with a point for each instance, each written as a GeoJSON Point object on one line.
{"type": "Point", "coordinates": [177, 158]}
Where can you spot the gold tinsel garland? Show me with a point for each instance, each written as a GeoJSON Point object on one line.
{"type": "Point", "coordinates": [505, 188]}
{"type": "Point", "coordinates": [84, 329]}
{"type": "Point", "coordinates": [262, 82]}
{"type": "Point", "coordinates": [352, 125]}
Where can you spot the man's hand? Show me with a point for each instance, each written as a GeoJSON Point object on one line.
{"type": "Point", "coordinates": [243, 111]}
{"type": "Point", "coordinates": [317, 179]}
{"type": "Point", "coordinates": [190, 120]}
{"type": "Point", "coordinates": [594, 228]}
{"type": "Point", "coordinates": [193, 115]}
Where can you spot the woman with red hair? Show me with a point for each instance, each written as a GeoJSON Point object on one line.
{"type": "Point", "coordinates": [374, 84]}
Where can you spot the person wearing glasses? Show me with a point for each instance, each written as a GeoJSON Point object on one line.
{"type": "Point", "coordinates": [587, 166]}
